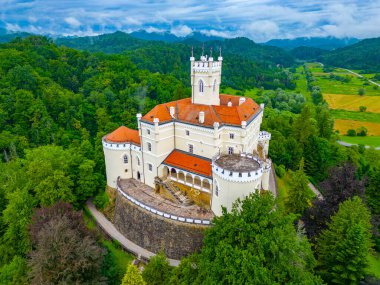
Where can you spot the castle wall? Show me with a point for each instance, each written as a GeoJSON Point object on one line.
{"type": "Point", "coordinates": [156, 233]}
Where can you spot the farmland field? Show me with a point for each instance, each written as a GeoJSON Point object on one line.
{"type": "Point", "coordinates": [353, 102]}
{"type": "Point", "coordinates": [356, 116]}
{"type": "Point", "coordinates": [371, 141]}
{"type": "Point", "coordinates": [344, 125]}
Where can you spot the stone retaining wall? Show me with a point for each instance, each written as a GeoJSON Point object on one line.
{"type": "Point", "coordinates": [155, 233]}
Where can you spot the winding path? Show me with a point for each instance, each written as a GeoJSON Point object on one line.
{"type": "Point", "coordinates": [112, 232]}
{"type": "Point", "coordinates": [351, 144]}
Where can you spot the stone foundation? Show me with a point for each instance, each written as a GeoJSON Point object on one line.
{"type": "Point", "coordinates": [155, 233]}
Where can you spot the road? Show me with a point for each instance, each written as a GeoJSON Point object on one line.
{"type": "Point", "coordinates": [128, 245]}
{"type": "Point", "coordinates": [350, 144]}
{"type": "Point", "coordinates": [361, 76]}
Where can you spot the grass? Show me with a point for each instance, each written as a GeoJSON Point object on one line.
{"type": "Point", "coordinates": [332, 86]}
{"type": "Point", "coordinates": [356, 116]}
{"type": "Point", "coordinates": [344, 125]}
{"type": "Point", "coordinates": [122, 258]}
{"type": "Point", "coordinates": [283, 188]}
{"type": "Point", "coordinates": [302, 83]}
{"type": "Point", "coordinates": [371, 141]}
{"type": "Point", "coordinates": [374, 265]}
{"type": "Point", "coordinates": [353, 102]}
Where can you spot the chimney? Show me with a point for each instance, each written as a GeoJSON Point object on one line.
{"type": "Point", "coordinates": [241, 100]}
{"type": "Point", "coordinates": [229, 104]}
{"type": "Point", "coordinates": [262, 106]}
{"type": "Point", "coordinates": [138, 116]}
{"type": "Point", "coordinates": [172, 111]}
{"type": "Point", "coordinates": [201, 117]}
{"type": "Point", "coordinates": [156, 121]}
{"type": "Point", "coordinates": [243, 124]}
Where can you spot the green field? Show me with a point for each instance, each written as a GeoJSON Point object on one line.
{"type": "Point", "coordinates": [371, 141]}
{"type": "Point", "coordinates": [374, 265]}
{"type": "Point", "coordinates": [329, 85]}
{"type": "Point", "coordinates": [302, 83]}
{"type": "Point", "coordinates": [357, 116]}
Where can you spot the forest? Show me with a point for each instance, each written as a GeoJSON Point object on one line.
{"type": "Point", "coordinates": [56, 103]}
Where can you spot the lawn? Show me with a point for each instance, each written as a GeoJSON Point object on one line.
{"type": "Point", "coordinates": [371, 141]}
{"type": "Point", "coordinates": [374, 264]}
{"type": "Point", "coordinates": [356, 116]}
{"type": "Point", "coordinates": [353, 102]}
{"type": "Point", "coordinates": [344, 125]}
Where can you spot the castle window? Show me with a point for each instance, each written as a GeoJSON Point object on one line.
{"type": "Point", "coordinates": [214, 86]}
{"type": "Point", "coordinates": [125, 158]}
{"type": "Point", "coordinates": [149, 146]}
{"type": "Point", "coordinates": [216, 188]}
{"type": "Point", "coordinates": [150, 167]}
{"type": "Point", "coordinates": [187, 132]}
{"type": "Point", "coordinates": [201, 85]}
{"type": "Point", "coordinates": [148, 131]}
{"type": "Point", "coordinates": [138, 160]}
{"type": "Point", "coordinates": [230, 150]}
{"type": "Point", "coordinates": [191, 148]}
{"type": "Point", "coordinates": [232, 136]}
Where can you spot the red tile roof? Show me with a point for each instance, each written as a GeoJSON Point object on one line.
{"type": "Point", "coordinates": [124, 134]}
{"type": "Point", "coordinates": [188, 162]}
{"type": "Point", "coordinates": [188, 112]}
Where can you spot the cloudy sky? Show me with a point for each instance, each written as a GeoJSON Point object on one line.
{"type": "Point", "coordinates": [259, 20]}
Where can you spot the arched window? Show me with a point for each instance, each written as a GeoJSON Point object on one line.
{"type": "Point", "coordinates": [214, 86]}
{"type": "Point", "coordinates": [125, 158]}
{"type": "Point", "coordinates": [201, 86]}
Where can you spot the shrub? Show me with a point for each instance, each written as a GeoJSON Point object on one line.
{"type": "Point", "coordinates": [280, 170]}
{"type": "Point", "coordinates": [362, 108]}
{"type": "Point", "coordinates": [361, 91]}
{"type": "Point", "coordinates": [351, 133]}
{"type": "Point", "coordinates": [101, 200]}
{"type": "Point", "coordinates": [362, 131]}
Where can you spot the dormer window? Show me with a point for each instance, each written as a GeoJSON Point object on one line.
{"type": "Point", "coordinates": [201, 85]}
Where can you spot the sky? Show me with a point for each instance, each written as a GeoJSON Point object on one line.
{"type": "Point", "coordinates": [259, 20]}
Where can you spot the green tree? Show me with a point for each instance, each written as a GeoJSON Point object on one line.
{"type": "Point", "coordinates": [361, 91]}
{"type": "Point", "coordinates": [305, 125]}
{"type": "Point", "coordinates": [343, 248]}
{"type": "Point", "coordinates": [158, 270]}
{"type": "Point", "coordinates": [132, 276]}
{"type": "Point", "coordinates": [255, 243]}
{"type": "Point", "coordinates": [299, 194]}
{"type": "Point", "coordinates": [15, 272]}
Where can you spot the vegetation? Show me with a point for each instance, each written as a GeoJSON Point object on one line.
{"type": "Point", "coordinates": [157, 271]}
{"type": "Point", "coordinates": [132, 276]}
{"type": "Point", "coordinates": [343, 248]}
{"type": "Point", "coordinates": [364, 55]}
{"type": "Point", "coordinates": [251, 245]}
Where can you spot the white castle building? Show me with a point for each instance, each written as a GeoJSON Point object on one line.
{"type": "Point", "coordinates": [209, 146]}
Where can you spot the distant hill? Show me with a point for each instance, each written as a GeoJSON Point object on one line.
{"type": "Point", "coordinates": [364, 55]}
{"type": "Point", "coordinates": [165, 36]}
{"type": "Point", "coordinates": [171, 38]}
{"type": "Point", "coordinates": [6, 36]}
{"type": "Point", "coordinates": [307, 53]}
{"type": "Point", "coordinates": [327, 43]}
{"type": "Point", "coordinates": [119, 42]}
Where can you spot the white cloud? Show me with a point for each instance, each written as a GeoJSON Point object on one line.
{"type": "Point", "coordinates": [73, 22]}
{"type": "Point", "coordinates": [181, 30]}
{"type": "Point", "coordinates": [155, 30]}
{"type": "Point", "coordinates": [261, 30]}
{"type": "Point", "coordinates": [215, 33]}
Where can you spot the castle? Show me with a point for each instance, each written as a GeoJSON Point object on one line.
{"type": "Point", "coordinates": [207, 149]}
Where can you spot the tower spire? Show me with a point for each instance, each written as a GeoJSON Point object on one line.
{"type": "Point", "coordinates": [220, 51]}
{"type": "Point", "coordinates": [192, 51]}
{"type": "Point", "coordinates": [203, 48]}
{"type": "Point", "coordinates": [211, 52]}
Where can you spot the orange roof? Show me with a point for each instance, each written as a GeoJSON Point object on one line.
{"type": "Point", "coordinates": [188, 112]}
{"type": "Point", "coordinates": [124, 134]}
{"type": "Point", "coordinates": [189, 162]}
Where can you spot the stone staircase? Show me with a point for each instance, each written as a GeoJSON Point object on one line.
{"type": "Point", "coordinates": [174, 191]}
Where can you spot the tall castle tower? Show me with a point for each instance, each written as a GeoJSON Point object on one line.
{"type": "Point", "coordinates": [206, 75]}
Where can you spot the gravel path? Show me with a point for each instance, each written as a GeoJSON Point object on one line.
{"type": "Point", "coordinates": [128, 245]}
